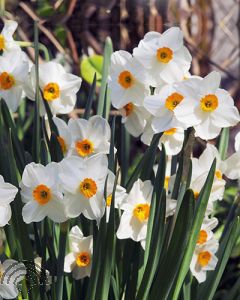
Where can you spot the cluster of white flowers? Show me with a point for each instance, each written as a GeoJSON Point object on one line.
{"type": "Point", "coordinates": [155, 93]}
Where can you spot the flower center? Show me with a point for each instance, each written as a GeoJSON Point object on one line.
{"type": "Point", "coordinates": [51, 91]}
{"type": "Point", "coordinates": [7, 81]}
{"type": "Point", "coordinates": [173, 100]}
{"type": "Point", "coordinates": [209, 103]}
{"type": "Point", "coordinates": [126, 79]}
{"type": "Point", "coordinates": [195, 194]}
{"type": "Point", "coordinates": [83, 259]}
{"type": "Point", "coordinates": [84, 147]}
{"type": "Point", "coordinates": [164, 55]}
{"type": "Point", "coordinates": [166, 182]}
{"type": "Point", "coordinates": [141, 212]}
{"type": "Point", "coordinates": [109, 200]}
{"type": "Point", "coordinates": [2, 42]}
{"type": "Point", "coordinates": [170, 131]}
{"type": "Point", "coordinates": [128, 108]}
{"type": "Point", "coordinates": [42, 194]}
{"type": "Point", "coordinates": [204, 258]}
{"type": "Point", "coordinates": [62, 143]}
{"type": "Point", "coordinates": [202, 237]}
{"type": "Point", "coordinates": [88, 188]}
{"type": "Point", "coordinates": [218, 174]}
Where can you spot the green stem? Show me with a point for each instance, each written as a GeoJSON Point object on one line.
{"type": "Point", "coordinates": [41, 47]}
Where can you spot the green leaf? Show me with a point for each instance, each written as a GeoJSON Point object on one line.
{"type": "Point", "coordinates": [209, 287]}
{"type": "Point", "coordinates": [169, 265]}
{"type": "Point", "coordinates": [91, 65]}
{"type": "Point", "coordinates": [88, 106]}
{"type": "Point", "coordinates": [108, 49]}
{"type": "Point", "coordinates": [198, 219]}
{"type": "Point", "coordinates": [111, 158]}
{"type": "Point", "coordinates": [223, 143]}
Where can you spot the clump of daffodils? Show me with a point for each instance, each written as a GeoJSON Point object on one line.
{"type": "Point", "coordinates": [76, 205]}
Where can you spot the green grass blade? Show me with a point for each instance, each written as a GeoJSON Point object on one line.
{"type": "Point", "coordinates": [223, 143]}
{"type": "Point", "coordinates": [90, 98]}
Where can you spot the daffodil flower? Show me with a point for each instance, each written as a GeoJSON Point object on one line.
{"type": "Point", "coordinates": [40, 191]}
{"type": "Point", "coordinates": [164, 56]}
{"type": "Point", "coordinates": [124, 82]}
{"type": "Point", "coordinates": [13, 73]}
{"type": "Point", "coordinates": [208, 108]}
{"type": "Point", "coordinates": [79, 260]}
{"type": "Point", "coordinates": [7, 42]}
{"type": "Point", "coordinates": [83, 182]}
{"type": "Point", "coordinates": [7, 195]}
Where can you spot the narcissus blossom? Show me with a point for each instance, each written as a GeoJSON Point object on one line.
{"type": "Point", "coordinates": [125, 82]}
{"type": "Point", "coordinates": [164, 55]}
{"type": "Point", "coordinates": [208, 105]}
{"type": "Point", "coordinates": [119, 196]}
{"type": "Point", "coordinates": [7, 42]}
{"type": "Point", "coordinates": [13, 73]}
{"type": "Point", "coordinates": [12, 273]}
{"type": "Point", "coordinates": [7, 195]}
{"type": "Point", "coordinates": [58, 87]}
{"type": "Point", "coordinates": [134, 118]}
{"type": "Point", "coordinates": [172, 139]}
{"type": "Point", "coordinates": [83, 182]}
{"type": "Point", "coordinates": [89, 137]}
{"type": "Point", "coordinates": [206, 234]}
{"type": "Point", "coordinates": [162, 106]}
{"type": "Point", "coordinates": [65, 137]}
{"type": "Point", "coordinates": [204, 260]}
{"type": "Point", "coordinates": [79, 260]}
{"type": "Point", "coordinates": [40, 191]}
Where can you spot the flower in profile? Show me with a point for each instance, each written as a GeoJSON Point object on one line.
{"type": "Point", "coordinates": [7, 193]}
{"type": "Point", "coordinates": [13, 73]}
{"type": "Point", "coordinates": [83, 182]}
{"type": "Point", "coordinates": [79, 260]}
{"type": "Point", "coordinates": [206, 234]}
{"type": "Point", "coordinates": [89, 137]}
{"type": "Point", "coordinates": [124, 80]}
{"type": "Point", "coordinates": [58, 87]}
{"type": "Point", "coordinates": [7, 42]}
{"type": "Point", "coordinates": [40, 191]}
{"type": "Point", "coordinates": [65, 137]}
{"type": "Point", "coordinates": [204, 259]}
{"type": "Point", "coordinates": [172, 139]}
{"type": "Point", "coordinates": [134, 118]}
{"type": "Point", "coordinates": [208, 108]}
{"type": "Point", "coordinates": [136, 210]}
{"type": "Point", "coordinates": [11, 273]}
{"type": "Point", "coordinates": [164, 55]}
{"type": "Point", "coordinates": [162, 106]}
{"type": "Point", "coordinates": [119, 196]}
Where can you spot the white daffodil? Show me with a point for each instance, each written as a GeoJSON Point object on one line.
{"type": "Point", "coordinates": [124, 80]}
{"type": "Point", "coordinates": [83, 182]}
{"type": "Point", "coordinates": [204, 260]}
{"type": "Point", "coordinates": [136, 209]}
{"type": "Point", "coordinates": [40, 190]}
{"type": "Point", "coordinates": [65, 137]}
{"type": "Point", "coordinates": [79, 260]}
{"type": "Point", "coordinates": [13, 73]}
{"type": "Point", "coordinates": [7, 195]}
{"type": "Point", "coordinates": [206, 234]}
{"type": "Point", "coordinates": [229, 167]}
{"type": "Point", "coordinates": [119, 196]}
{"type": "Point", "coordinates": [162, 106]}
{"type": "Point", "coordinates": [7, 42]}
{"type": "Point", "coordinates": [58, 87]}
{"type": "Point", "coordinates": [208, 108]}
{"type": "Point", "coordinates": [134, 118]}
{"type": "Point", "coordinates": [172, 139]}
{"type": "Point", "coordinates": [89, 136]}
{"type": "Point", "coordinates": [164, 55]}
{"type": "Point", "coordinates": [11, 273]}
{"type": "Point", "coordinates": [237, 142]}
